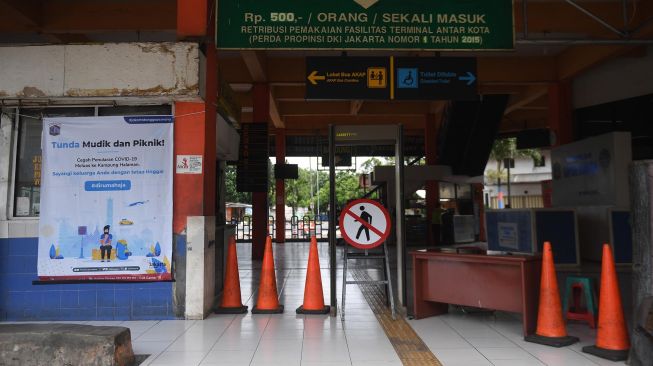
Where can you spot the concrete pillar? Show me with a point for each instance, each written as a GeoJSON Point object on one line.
{"type": "Point", "coordinates": [194, 194]}
{"type": "Point", "coordinates": [190, 128]}
{"type": "Point", "coordinates": [201, 266]}
{"type": "Point", "coordinates": [261, 99]}
{"type": "Point", "coordinates": [560, 112]}
{"type": "Point", "coordinates": [280, 191]}
{"type": "Point", "coordinates": [195, 128]}
{"type": "Point", "coordinates": [641, 203]}
{"type": "Point", "coordinates": [6, 131]}
{"type": "Point", "coordinates": [431, 130]}
{"type": "Point", "coordinates": [191, 18]}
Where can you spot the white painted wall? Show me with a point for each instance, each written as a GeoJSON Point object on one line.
{"type": "Point", "coordinates": [5, 161]}
{"type": "Point", "coordinates": [128, 73]}
{"type": "Point", "coordinates": [621, 78]}
{"type": "Point", "coordinates": [525, 176]}
{"type": "Point", "coordinates": [115, 69]}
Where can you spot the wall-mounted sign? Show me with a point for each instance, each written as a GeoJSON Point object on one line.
{"type": "Point", "coordinates": [388, 78]}
{"type": "Point", "coordinates": [189, 164]}
{"type": "Point", "coordinates": [428, 78]}
{"type": "Point", "coordinates": [347, 78]}
{"type": "Point", "coordinates": [366, 24]}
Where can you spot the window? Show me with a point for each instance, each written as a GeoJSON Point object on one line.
{"type": "Point", "coordinates": [447, 190]}
{"type": "Point", "coordinates": [464, 191]}
{"type": "Point", "coordinates": [27, 175]}
{"type": "Point", "coordinates": [539, 162]}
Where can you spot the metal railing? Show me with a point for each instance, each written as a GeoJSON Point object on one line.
{"type": "Point", "coordinates": [296, 228]}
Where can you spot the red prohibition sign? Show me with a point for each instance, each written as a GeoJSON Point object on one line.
{"type": "Point", "coordinates": [350, 237]}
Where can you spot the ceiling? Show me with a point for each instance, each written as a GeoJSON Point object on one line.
{"type": "Point", "coordinates": [553, 45]}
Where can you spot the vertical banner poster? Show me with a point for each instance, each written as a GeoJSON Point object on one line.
{"type": "Point", "coordinates": [106, 198]}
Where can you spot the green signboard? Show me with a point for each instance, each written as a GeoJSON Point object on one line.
{"type": "Point", "coordinates": [366, 24]}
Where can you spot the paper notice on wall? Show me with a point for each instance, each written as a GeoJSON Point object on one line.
{"type": "Point", "coordinates": [22, 206]}
{"type": "Point", "coordinates": [189, 164]}
{"type": "Point", "coordinates": [509, 235]}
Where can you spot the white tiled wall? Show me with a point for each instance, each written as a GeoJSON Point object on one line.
{"type": "Point", "coordinates": [19, 229]}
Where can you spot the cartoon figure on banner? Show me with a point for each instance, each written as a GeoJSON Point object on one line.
{"type": "Point", "coordinates": [105, 243]}
{"type": "Point", "coordinates": [368, 218]}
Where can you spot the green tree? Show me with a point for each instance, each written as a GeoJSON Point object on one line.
{"type": "Point", "coordinates": [298, 191]}
{"type": "Point", "coordinates": [346, 189]}
{"type": "Point", "coordinates": [232, 195]}
{"type": "Point", "coordinates": [507, 149]}
{"type": "Point", "coordinates": [369, 164]}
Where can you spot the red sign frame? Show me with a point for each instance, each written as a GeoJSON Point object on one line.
{"type": "Point", "coordinates": [347, 210]}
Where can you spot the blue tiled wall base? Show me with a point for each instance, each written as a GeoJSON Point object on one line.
{"type": "Point", "coordinates": [21, 300]}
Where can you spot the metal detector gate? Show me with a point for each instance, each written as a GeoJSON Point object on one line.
{"type": "Point", "coordinates": [348, 135]}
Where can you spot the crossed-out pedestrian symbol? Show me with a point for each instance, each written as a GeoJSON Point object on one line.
{"type": "Point", "coordinates": [364, 223]}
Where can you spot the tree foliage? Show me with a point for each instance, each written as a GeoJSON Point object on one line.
{"type": "Point", "coordinates": [298, 191]}
{"type": "Point", "coordinates": [507, 149]}
{"type": "Point", "coordinates": [232, 195]}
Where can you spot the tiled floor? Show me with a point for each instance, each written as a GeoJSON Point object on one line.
{"type": "Point", "coordinates": [282, 339]}
{"type": "Point", "coordinates": [288, 339]}
{"type": "Point", "coordinates": [459, 339]}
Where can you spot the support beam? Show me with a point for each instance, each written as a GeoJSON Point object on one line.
{"type": "Point", "coordinates": [355, 106]}
{"type": "Point", "coordinates": [576, 60]}
{"type": "Point", "coordinates": [280, 188]}
{"type": "Point", "coordinates": [290, 93]}
{"type": "Point", "coordinates": [82, 16]}
{"type": "Point", "coordinates": [255, 62]}
{"type": "Point", "coordinates": [512, 126]}
{"type": "Point", "coordinates": [437, 108]}
{"type": "Point", "coordinates": [560, 112]}
{"type": "Point", "coordinates": [191, 18]}
{"type": "Point", "coordinates": [274, 111]}
{"type": "Point", "coordinates": [532, 94]}
{"type": "Point", "coordinates": [26, 15]}
{"type": "Point", "coordinates": [561, 17]}
{"type": "Point", "coordinates": [311, 122]}
{"type": "Point", "coordinates": [261, 96]}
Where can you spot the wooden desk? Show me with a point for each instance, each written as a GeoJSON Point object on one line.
{"type": "Point", "coordinates": [509, 283]}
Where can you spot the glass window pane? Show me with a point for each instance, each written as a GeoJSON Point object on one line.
{"type": "Point", "coordinates": [464, 191]}
{"type": "Point", "coordinates": [447, 190]}
{"type": "Point", "coordinates": [28, 155]}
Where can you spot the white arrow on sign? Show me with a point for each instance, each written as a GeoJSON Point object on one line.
{"type": "Point", "coordinates": [366, 3]}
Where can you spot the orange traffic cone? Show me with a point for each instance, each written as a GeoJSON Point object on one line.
{"type": "Point", "coordinates": [231, 302]}
{"type": "Point", "coordinates": [268, 299]}
{"type": "Point", "coordinates": [313, 296]}
{"type": "Point", "coordinates": [612, 341]}
{"type": "Point", "coordinates": [551, 329]}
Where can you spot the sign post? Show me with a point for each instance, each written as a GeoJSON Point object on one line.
{"type": "Point", "coordinates": [365, 224]}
